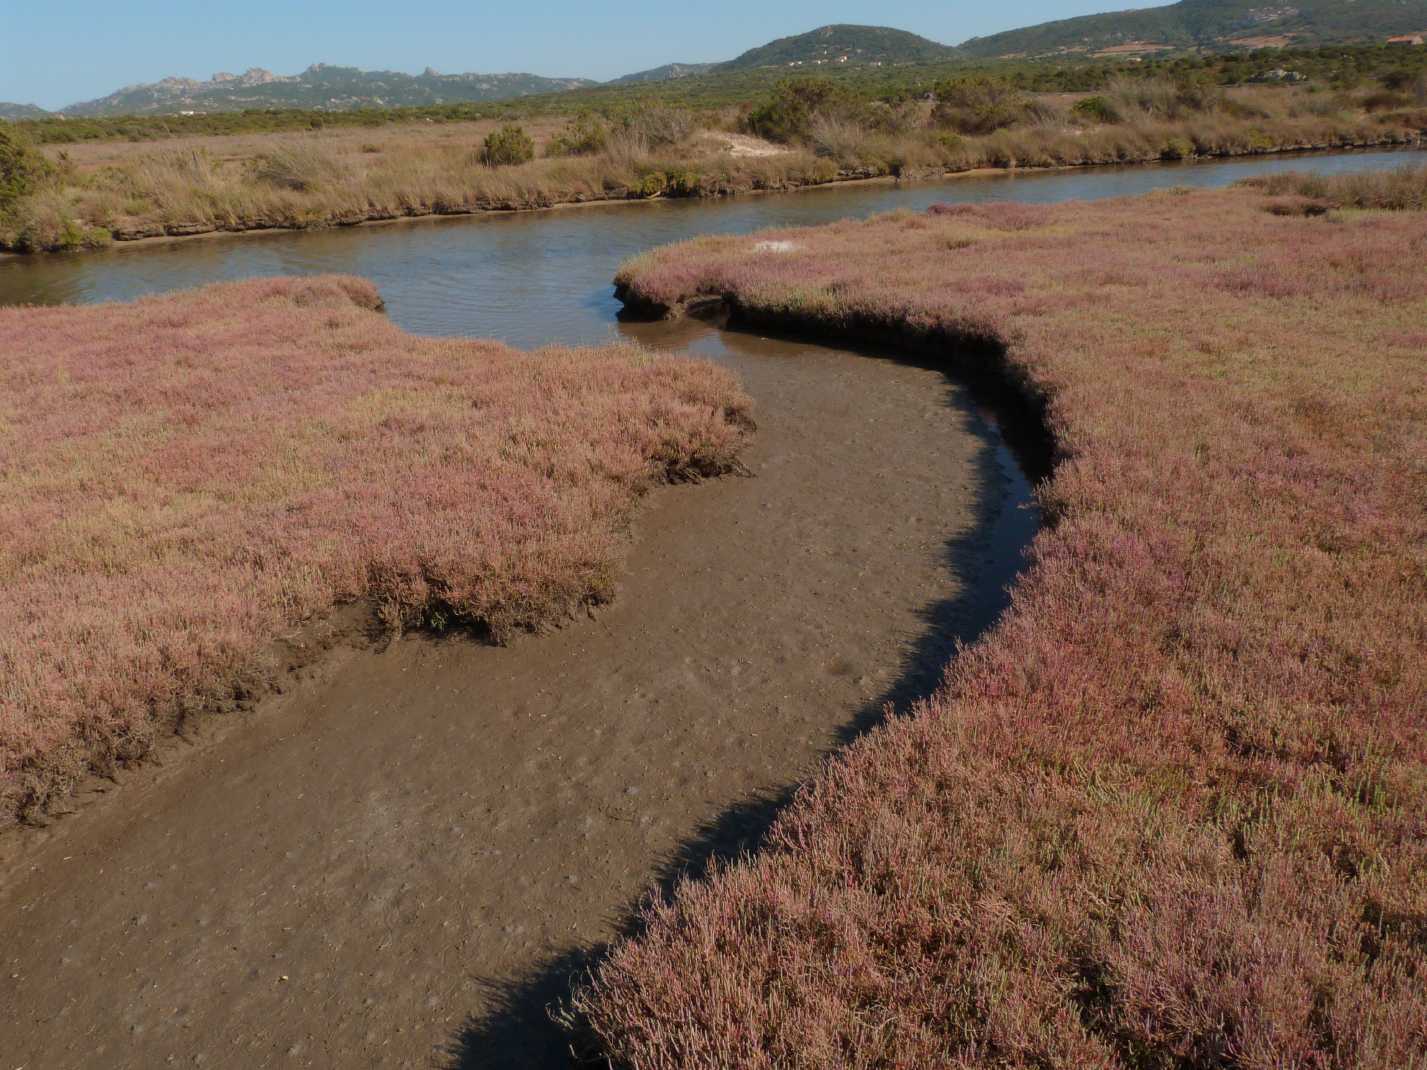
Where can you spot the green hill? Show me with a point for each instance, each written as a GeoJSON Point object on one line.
{"type": "Point", "coordinates": [842, 45]}
{"type": "Point", "coordinates": [1211, 24]}
{"type": "Point", "coordinates": [20, 111]}
{"type": "Point", "coordinates": [666, 73]}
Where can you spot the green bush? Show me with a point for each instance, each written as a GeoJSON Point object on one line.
{"type": "Point", "coordinates": [651, 185]}
{"type": "Point", "coordinates": [22, 169]}
{"type": "Point", "coordinates": [685, 184]}
{"type": "Point", "coordinates": [1096, 110]}
{"type": "Point", "coordinates": [1177, 148]}
{"type": "Point", "coordinates": [507, 146]}
{"type": "Point", "coordinates": [979, 105]}
{"type": "Point", "coordinates": [584, 135]}
{"type": "Point", "coordinates": [789, 113]}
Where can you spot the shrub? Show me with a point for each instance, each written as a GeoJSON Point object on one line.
{"type": "Point", "coordinates": [685, 184]}
{"type": "Point", "coordinates": [1398, 81]}
{"type": "Point", "coordinates": [584, 135]}
{"type": "Point", "coordinates": [979, 105]}
{"type": "Point", "coordinates": [1177, 148]}
{"type": "Point", "coordinates": [22, 169]}
{"type": "Point", "coordinates": [893, 119]}
{"type": "Point", "coordinates": [1162, 98]}
{"type": "Point", "coordinates": [45, 221]}
{"type": "Point", "coordinates": [1096, 110]}
{"type": "Point", "coordinates": [788, 115]}
{"type": "Point", "coordinates": [1385, 100]}
{"type": "Point", "coordinates": [651, 185]}
{"type": "Point", "coordinates": [661, 127]}
{"type": "Point", "coordinates": [507, 146]}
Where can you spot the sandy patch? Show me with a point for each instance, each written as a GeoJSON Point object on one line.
{"type": "Point", "coordinates": [742, 146]}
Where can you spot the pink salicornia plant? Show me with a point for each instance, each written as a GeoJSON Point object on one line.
{"type": "Point", "coordinates": [1172, 810]}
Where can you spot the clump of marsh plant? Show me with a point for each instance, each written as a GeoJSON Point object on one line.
{"type": "Point", "coordinates": [797, 103]}
{"type": "Point", "coordinates": [1404, 189]}
{"type": "Point", "coordinates": [301, 168]}
{"type": "Point", "coordinates": [662, 127]}
{"type": "Point", "coordinates": [1163, 98]}
{"type": "Point", "coordinates": [1096, 109]}
{"type": "Point", "coordinates": [584, 135]}
{"type": "Point", "coordinates": [979, 105]}
{"type": "Point", "coordinates": [22, 168]}
{"type": "Point", "coordinates": [508, 146]}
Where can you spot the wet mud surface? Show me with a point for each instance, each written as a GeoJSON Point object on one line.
{"type": "Point", "coordinates": [404, 858]}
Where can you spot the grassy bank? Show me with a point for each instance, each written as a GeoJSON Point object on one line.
{"type": "Point", "coordinates": [1170, 812]}
{"type": "Point", "coordinates": [185, 479]}
{"type": "Point", "coordinates": [802, 133]}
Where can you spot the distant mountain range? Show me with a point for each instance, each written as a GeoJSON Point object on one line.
{"type": "Point", "coordinates": [1215, 24]}
{"type": "Point", "coordinates": [320, 86]}
{"type": "Point", "coordinates": [1210, 24]}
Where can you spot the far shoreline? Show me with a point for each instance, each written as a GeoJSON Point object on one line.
{"type": "Point", "coordinates": [1388, 144]}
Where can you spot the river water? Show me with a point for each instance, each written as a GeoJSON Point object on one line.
{"type": "Point", "coordinates": [544, 277]}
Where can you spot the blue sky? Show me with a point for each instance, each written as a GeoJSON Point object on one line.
{"type": "Point", "coordinates": [57, 52]}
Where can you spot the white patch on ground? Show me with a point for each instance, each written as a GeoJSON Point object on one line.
{"type": "Point", "coordinates": [774, 247]}
{"type": "Point", "coordinates": [740, 145]}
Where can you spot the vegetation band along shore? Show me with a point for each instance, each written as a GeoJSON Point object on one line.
{"type": "Point", "coordinates": [1172, 811]}
{"type": "Point", "coordinates": [185, 480]}
{"type": "Point", "coordinates": [801, 132]}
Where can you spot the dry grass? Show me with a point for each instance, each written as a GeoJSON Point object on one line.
{"type": "Point", "coordinates": [343, 141]}
{"type": "Point", "coordinates": [982, 123]}
{"type": "Point", "coordinates": [290, 181]}
{"type": "Point", "coordinates": [1404, 189]}
{"type": "Point", "coordinates": [1172, 811]}
{"type": "Point", "coordinates": [185, 479]}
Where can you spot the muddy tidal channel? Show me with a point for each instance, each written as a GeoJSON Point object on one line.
{"type": "Point", "coordinates": [407, 855]}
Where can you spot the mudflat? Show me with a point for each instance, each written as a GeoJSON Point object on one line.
{"type": "Point", "coordinates": [403, 858]}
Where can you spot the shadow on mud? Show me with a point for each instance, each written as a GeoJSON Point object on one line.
{"type": "Point", "coordinates": [520, 1027]}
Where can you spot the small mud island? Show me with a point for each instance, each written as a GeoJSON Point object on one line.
{"type": "Point", "coordinates": [1171, 810]}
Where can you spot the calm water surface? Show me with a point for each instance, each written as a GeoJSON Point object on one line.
{"type": "Point", "coordinates": [544, 277]}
